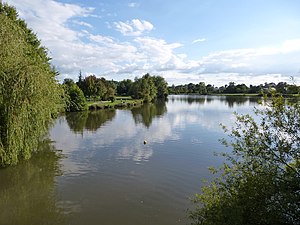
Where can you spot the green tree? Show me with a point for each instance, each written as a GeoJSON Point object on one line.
{"type": "Point", "coordinates": [144, 88]}
{"type": "Point", "coordinates": [124, 87]}
{"type": "Point", "coordinates": [101, 87]}
{"type": "Point", "coordinates": [80, 80]}
{"type": "Point", "coordinates": [75, 100]}
{"type": "Point", "coordinates": [260, 182]}
{"type": "Point", "coordinates": [110, 92]}
{"type": "Point", "coordinates": [202, 88]}
{"type": "Point", "coordinates": [29, 92]}
{"type": "Point", "coordinates": [89, 87]}
{"type": "Point", "coordinates": [161, 86]}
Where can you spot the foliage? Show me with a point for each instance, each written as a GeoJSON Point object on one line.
{"type": "Point", "coordinates": [29, 92]}
{"type": "Point", "coordinates": [123, 87]}
{"type": "Point", "coordinates": [75, 100]}
{"type": "Point", "coordinates": [143, 88]}
{"type": "Point", "coordinates": [89, 87]}
{"type": "Point", "coordinates": [149, 88]}
{"type": "Point", "coordinates": [97, 88]}
{"type": "Point", "coordinates": [232, 88]}
{"type": "Point", "coordinates": [260, 182]}
{"type": "Point", "coordinates": [161, 86]}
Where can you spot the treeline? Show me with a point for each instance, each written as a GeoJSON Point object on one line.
{"type": "Point", "coordinates": [203, 89]}
{"type": "Point", "coordinates": [147, 88]}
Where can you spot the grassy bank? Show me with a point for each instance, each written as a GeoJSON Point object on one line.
{"type": "Point", "coordinates": [120, 102]}
{"type": "Point", "coordinates": [238, 94]}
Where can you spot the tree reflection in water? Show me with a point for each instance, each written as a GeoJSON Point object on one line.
{"type": "Point", "coordinates": [147, 112]}
{"type": "Point", "coordinates": [27, 191]}
{"type": "Point", "coordinates": [89, 120]}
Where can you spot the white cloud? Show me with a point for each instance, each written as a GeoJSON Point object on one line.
{"type": "Point", "coordinates": [199, 40]}
{"type": "Point", "coordinates": [81, 23]}
{"type": "Point", "coordinates": [134, 27]}
{"type": "Point", "coordinates": [133, 4]}
{"type": "Point", "coordinates": [73, 50]}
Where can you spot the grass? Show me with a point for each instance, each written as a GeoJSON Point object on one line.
{"type": "Point", "coordinates": [239, 94]}
{"type": "Point", "coordinates": [120, 102]}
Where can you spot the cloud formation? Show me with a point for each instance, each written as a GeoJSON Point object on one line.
{"type": "Point", "coordinates": [134, 27]}
{"type": "Point", "coordinates": [133, 4]}
{"type": "Point", "coordinates": [83, 48]}
{"type": "Point", "coordinates": [199, 40]}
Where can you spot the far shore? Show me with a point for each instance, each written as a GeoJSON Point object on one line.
{"type": "Point", "coordinates": [119, 102]}
{"type": "Point", "coordinates": [122, 102]}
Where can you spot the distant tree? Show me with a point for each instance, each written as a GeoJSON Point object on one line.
{"type": "Point", "coordinates": [110, 91]}
{"type": "Point", "coordinates": [89, 86]}
{"type": "Point", "coordinates": [161, 86]}
{"type": "Point", "coordinates": [255, 89]}
{"type": "Point", "coordinates": [293, 89]}
{"type": "Point", "coordinates": [75, 100]}
{"type": "Point", "coordinates": [202, 88]}
{"type": "Point", "coordinates": [241, 88]}
{"type": "Point", "coordinates": [101, 88]}
{"type": "Point", "coordinates": [123, 87]}
{"type": "Point", "coordinates": [191, 88]}
{"type": "Point", "coordinates": [144, 88]}
{"type": "Point", "coordinates": [80, 80]}
{"type": "Point", "coordinates": [173, 89]}
{"type": "Point", "coordinates": [282, 87]}
{"type": "Point", "coordinates": [230, 88]}
{"type": "Point", "coordinates": [210, 89]}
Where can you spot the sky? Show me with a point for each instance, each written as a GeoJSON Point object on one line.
{"type": "Point", "coordinates": [184, 41]}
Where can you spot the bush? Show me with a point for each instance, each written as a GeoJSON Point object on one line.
{"type": "Point", "coordinates": [260, 182]}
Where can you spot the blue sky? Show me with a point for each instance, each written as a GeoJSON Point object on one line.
{"type": "Point", "coordinates": [215, 41]}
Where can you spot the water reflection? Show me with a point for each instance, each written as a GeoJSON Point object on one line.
{"type": "Point", "coordinates": [89, 120]}
{"type": "Point", "coordinates": [230, 101]}
{"type": "Point", "coordinates": [147, 112]}
{"type": "Point", "coordinates": [27, 191]}
{"type": "Point", "coordinates": [190, 99]}
{"type": "Point", "coordinates": [110, 170]}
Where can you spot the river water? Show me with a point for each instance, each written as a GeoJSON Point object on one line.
{"type": "Point", "coordinates": [95, 168]}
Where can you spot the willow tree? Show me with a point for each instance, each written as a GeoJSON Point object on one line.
{"type": "Point", "coordinates": [29, 92]}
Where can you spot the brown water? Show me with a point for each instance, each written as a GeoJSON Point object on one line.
{"type": "Point", "coordinates": [99, 171]}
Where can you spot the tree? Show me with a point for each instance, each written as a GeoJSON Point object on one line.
{"type": "Point", "coordinates": [75, 100]}
{"type": "Point", "coordinates": [124, 87]}
{"type": "Point", "coordinates": [111, 91]}
{"type": "Point", "coordinates": [80, 80]}
{"type": "Point", "coordinates": [202, 88]}
{"type": "Point", "coordinates": [89, 87]}
{"type": "Point", "coordinates": [144, 88]}
{"type": "Point", "coordinates": [161, 86]}
{"type": "Point", "coordinates": [102, 88]}
{"type": "Point", "coordinates": [260, 184]}
{"type": "Point", "coordinates": [29, 93]}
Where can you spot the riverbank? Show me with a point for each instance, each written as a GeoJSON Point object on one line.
{"type": "Point", "coordinates": [120, 102]}
{"type": "Point", "coordinates": [240, 95]}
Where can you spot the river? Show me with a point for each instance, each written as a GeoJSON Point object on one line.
{"type": "Point", "coordinates": [113, 167]}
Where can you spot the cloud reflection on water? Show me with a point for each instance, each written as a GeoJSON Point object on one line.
{"type": "Point", "coordinates": [120, 134]}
